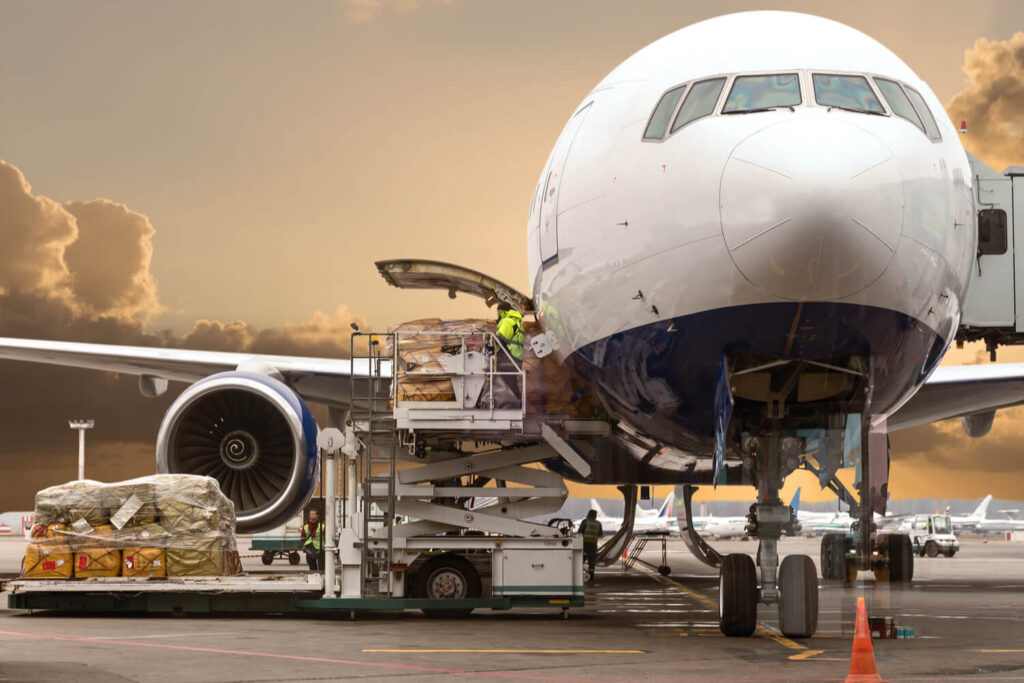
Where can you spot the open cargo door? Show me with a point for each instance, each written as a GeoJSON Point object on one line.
{"type": "Point", "coordinates": [420, 274]}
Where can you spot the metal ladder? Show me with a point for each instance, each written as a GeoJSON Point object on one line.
{"type": "Point", "coordinates": [372, 422]}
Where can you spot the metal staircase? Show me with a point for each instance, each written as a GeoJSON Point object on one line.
{"type": "Point", "coordinates": [373, 424]}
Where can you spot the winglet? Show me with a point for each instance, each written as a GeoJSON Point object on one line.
{"type": "Point", "coordinates": [594, 505]}
{"type": "Point", "coordinates": [795, 503]}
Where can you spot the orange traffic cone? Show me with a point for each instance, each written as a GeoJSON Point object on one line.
{"type": "Point", "coordinates": [862, 661]}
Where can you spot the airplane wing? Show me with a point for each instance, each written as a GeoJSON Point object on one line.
{"type": "Point", "coordinates": [955, 391]}
{"type": "Point", "coordinates": [322, 380]}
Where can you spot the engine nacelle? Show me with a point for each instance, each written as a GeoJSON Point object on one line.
{"type": "Point", "coordinates": [254, 435]}
{"type": "Point", "coordinates": [977, 425]}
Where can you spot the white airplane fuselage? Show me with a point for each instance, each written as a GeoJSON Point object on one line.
{"type": "Point", "coordinates": [803, 232]}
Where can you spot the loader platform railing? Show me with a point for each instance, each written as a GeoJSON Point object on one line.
{"type": "Point", "coordinates": [462, 380]}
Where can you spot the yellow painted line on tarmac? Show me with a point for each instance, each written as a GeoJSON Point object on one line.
{"type": "Point", "coordinates": [503, 652]}
{"type": "Point", "coordinates": [803, 654]}
{"type": "Point", "coordinates": [1000, 651]}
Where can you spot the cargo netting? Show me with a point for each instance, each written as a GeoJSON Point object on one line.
{"type": "Point", "coordinates": [165, 525]}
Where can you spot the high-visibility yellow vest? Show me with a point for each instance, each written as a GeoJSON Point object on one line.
{"type": "Point", "coordinates": [314, 537]}
{"type": "Point", "coordinates": [591, 530]}
{"type": "Point", "coordinates": [510, 329]}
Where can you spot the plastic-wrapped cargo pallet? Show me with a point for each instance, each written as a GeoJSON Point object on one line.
{"type": "Point", "coordinates": [546, 378]}
{"type": "Point", "coordinates": [157, 526]}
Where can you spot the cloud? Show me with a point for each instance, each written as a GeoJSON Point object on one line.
{"type": "Point", "coordinates": [80, 271]}
{"type": "Point", "coordinates": [323, 335]}
{"type": "Point", "coordinates": [109, 262]}
{"type": "Point", "coordinates": [992, 102]}
{"type": "Point", "coordinates": [36, 232]}
{"type": "Point", "coordinates": [362, 11]}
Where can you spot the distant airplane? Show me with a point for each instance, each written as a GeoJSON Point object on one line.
{"type": "Point", "coordinates": [728, 527]}
{"type": "Point", "coordinates": [970, 522]}
{"type": "Point", "coordinates": [979, 522]}
{"type": "Point", "coordinates": [660, 521]}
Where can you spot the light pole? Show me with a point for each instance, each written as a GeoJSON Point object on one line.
{"type": "Point", "coordinates": [81, 426]}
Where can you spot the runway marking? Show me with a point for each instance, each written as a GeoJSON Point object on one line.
{"type": "Point", "coordinates": [761, 630]}
{"type": "Point", "coordinates": [505, 652]}
{"type": "Point", "coordinates": [166, 635]}
{"type": "Point", "coordinates": [387, 665]}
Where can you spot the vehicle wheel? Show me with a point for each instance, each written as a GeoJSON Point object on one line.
{"type": "Point", "coordinates": [665, 570]}
{"type": "Point", "coordinates": [798, 597]}
{"type": "Point", "coordinates": [267, 557]}
{"type": "Point", "coordinates": [447, 577]}
{"type": "Point", "coordinates": [833, 557]}
{"type": "Point", "coordinates": [901, 558]}
{"type": "Point", "coordinates": [931, 549]}
{"type": "Point", "coordinates": [737, 596]}
{"type": "Point", "coordinates": [293, 558]}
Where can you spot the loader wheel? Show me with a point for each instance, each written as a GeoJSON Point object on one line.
{"type": "Point", "coordinates": [447, 577]}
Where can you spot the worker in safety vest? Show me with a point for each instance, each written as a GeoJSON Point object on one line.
{"type": "Point", "coordinates": [313, 541]}
{"type": "Point", "coordinates": [591, 530]}
{"type": "Point", "coordinates": [510, 357]}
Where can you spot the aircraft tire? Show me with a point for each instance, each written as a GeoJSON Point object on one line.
{"type": "Point", "coordinates": [798, 597]}
{"type": "Point", "coordinates": [737, 596]}
{"type": "Point", "coordinates": [833, 557]}
{"type": "Point", "coordinates": [901, 558]}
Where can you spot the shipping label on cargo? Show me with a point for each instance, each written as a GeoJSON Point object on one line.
{"type": "Point", "coordinates": [130, 507]}
{"type": "Point", "coordinates": [82, 526]}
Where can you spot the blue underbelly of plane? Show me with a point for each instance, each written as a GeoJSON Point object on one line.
{"type": "Point", "coordinates": [660, 378]}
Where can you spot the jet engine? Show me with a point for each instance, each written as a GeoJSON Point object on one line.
{"type": "Point", "coordinates": [254, 435]}
{"type": "Point", "coordinates": [977, 425]}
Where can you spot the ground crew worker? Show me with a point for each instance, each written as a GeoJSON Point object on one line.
{"type": "Point", "coordinates": [591, 530]}
{"type": "Point", "coordinates": [511, 336]}
{"type": "Point", "coordinates": [313, 541]}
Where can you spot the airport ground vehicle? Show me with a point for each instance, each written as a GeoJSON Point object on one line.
{"type": "Point", "coordinates": [284, 541]}
{"type": "Point", "coordinates": [453, 558]}
{"type": "Point", "coordinates": [932, 535]}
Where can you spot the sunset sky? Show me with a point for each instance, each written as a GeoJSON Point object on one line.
{"type": "Point", "coordinates": [223, 175]}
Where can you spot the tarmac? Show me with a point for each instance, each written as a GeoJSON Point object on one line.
{"type": "Point", "coordinates": [967, 612]}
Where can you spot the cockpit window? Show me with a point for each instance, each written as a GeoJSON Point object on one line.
{"type": "Point", "coordinates": [930, 126]}
{"type": "Point", "coordinates": [761, 93]}
{"type": "Point", "coordinates": [846, 92]}
{"type": "Point", "coordinates": [898, 102]}
{"type": "Point", "coordinates": [663, 114]}
{"type": "Point", "coordinates": [699, 102]}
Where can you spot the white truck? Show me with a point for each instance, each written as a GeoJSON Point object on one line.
{"type": "Point", "coordinates": [931, 535]}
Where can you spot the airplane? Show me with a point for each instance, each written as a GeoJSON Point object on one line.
{"type": "Point", "coordinates": [646, 521]}
{"type": "Point", "coordinates": [729, 527]}
{"type": "Point", "coordinates": [979, 521]}
{"type": "Point", "coordinates": [757, 227]}
{"type": "Point", "coordinates": [972, 521]}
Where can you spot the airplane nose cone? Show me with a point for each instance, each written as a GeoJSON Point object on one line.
{"type": "Point", "coordinates": [812, 208]}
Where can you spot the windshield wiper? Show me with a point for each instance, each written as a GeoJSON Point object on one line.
{"type": "Point", "coordinates": [856, 111]}
{"type": "Point", "coordinates": [760, 109]}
